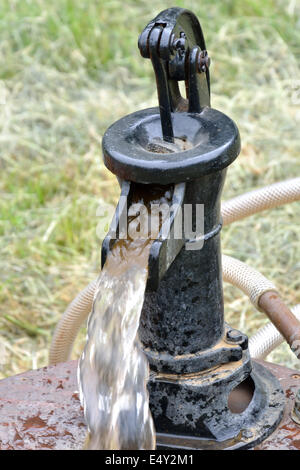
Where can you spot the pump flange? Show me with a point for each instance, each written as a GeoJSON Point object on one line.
{"type": "Point", "coordinates": [212, 136]}
{"type": "Point", "coordinates": [198, 412]}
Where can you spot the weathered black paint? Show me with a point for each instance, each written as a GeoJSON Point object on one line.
{"type": "Point", "coordinates": [186, 313]}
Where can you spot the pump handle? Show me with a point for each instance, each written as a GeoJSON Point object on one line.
{"type": "Point", "coordinates": [174, 42]}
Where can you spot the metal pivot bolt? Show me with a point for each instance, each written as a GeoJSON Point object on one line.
{"type": "Point", "coordinates": [203, 61]}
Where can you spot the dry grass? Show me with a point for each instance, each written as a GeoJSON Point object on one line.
{"type": "Point", "coordinates": [67, 76]}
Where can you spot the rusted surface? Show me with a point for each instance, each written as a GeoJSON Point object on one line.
{"type": "Point", "coordinates": [287, 435]}
{"type": "Point", "coordinates": [41, 410]}
{"type": "Point", "coordinates": [296, 411]}
{"type": "Point", "coordinates": [282, 317]}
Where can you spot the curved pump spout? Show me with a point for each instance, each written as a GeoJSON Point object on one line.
{"type": "Point", "coordinates": [196, 360]}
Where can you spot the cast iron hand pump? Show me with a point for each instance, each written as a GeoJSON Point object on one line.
{"type": "Point", "coordinates": [204, 389]}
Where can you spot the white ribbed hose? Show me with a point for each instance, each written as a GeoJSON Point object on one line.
{"type": "Point", "coordinates": [70, 323]}
{"type": "Point", "coordinates": [259, 200]}
{"type": "Point", "coordinates": [250, 281]}
{"type": "Point", "coordinates": [247, 279]}
{"type": "Point", "coordinates": [268, 338]}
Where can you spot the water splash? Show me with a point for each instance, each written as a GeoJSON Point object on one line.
{"type": "Point", "coordinates": [113, 371]}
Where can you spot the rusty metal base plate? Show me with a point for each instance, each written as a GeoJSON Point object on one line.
{"type": "Point", "coordinates": [287, 434]}
{"type": "Point", "coordinates": [41, 410]}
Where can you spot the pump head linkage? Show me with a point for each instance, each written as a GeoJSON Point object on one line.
{"type": "Point", "coordinates": [135, 147]}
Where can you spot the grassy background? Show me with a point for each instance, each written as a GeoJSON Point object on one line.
{"type": "Point", "coordinates": [69, 68]}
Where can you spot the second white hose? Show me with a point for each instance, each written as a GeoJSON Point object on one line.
{"type": "Point", "coordinates": [68, 326]}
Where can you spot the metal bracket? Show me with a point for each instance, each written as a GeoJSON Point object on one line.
{"type": "Point", "coordinates": [175, 44]}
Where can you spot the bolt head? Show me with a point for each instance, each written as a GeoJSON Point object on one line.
{"type": "Point", "coordinates": [178, 44]}
{"type": "Point", "coordinates": [234, 335]}
{"type": "Point", "coordinates": [203, 61]}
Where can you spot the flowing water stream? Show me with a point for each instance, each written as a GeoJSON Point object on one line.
{"type": "Point", "coordinates": [113, 371]}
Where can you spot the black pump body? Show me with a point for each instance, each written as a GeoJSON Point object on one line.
{"type": "Point", "coordinates": [197, 361]}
